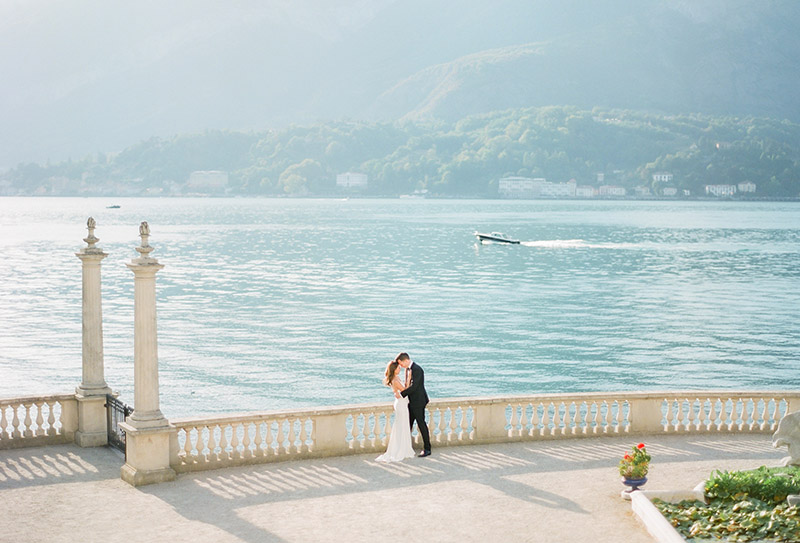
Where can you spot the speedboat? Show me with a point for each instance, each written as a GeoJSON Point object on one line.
{"type": "Point", "coordinates": [496, 237]}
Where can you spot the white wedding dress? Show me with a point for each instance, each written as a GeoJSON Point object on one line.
{"type": "Point", "coordinates": [400, 439]}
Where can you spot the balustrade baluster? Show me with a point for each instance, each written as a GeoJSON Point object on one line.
{"type": "Point", "coordinates": [534, 431]}
{"type": "Point", "coordinates": [349, 433]}
{"type": "Point", "coordinates": [687, 414]}
{"type": "Point", "coordinates": [4, 433]}
{"type": "Point", "coordinates": [304, 423]}
{"type": "Point", "coordinates": [464, 434]}
{"type": "Point", "coordinates": [733, 422]}
{"type": "Point", "coordinates": [764, 414]}
{"type": "Point", "coordinates": [597, 422]}
{"type": "Point", "coordinates": [258, 440]}
{"type": "Point", "coordinates": [188, 457]}
{"type": "Point", "coordinates": [545, 419]}
{"type": "Point", "coordinates": [587, 418]}
{"type": "Point", "coordinates": [513, 432]}
{"type": "Point", "coordinates": [51, 418]}
{"type": "Point", "coordinates": [282, 448]}
{"type": "Point", "coordinates": [776, 414]}
{"type": "Point", "coordinates": [571, 427]}
{"type": "Point", "coordinates": [200, 444]}
{"type": "Point", "coordinates": [28, 422]}
{"type": "Point", "coordinates": [451, 435]}
{"type": "Point", "coordinates": [619, 419]}
{"type": "Point", "coordinates": [236, 454]}
{"type": "Point", "coordinates": [744, 415]}
{"type": "Point", "coordinates": [751, 408]}
{"type": "Point", "coordinates": [224, 453]}
{"type": "Point", "coordinates": [16, 434]}
{"type": "Point", "coordinates": [557, 420]}
{"type": "Point", "coordinates": [712, 415]}
{"type": "Point", "coordinates": [212, 444]}
{"type": "Point", "coordinates": [39, 431]}
{"type": "Point", "coordinates": [247, 452]}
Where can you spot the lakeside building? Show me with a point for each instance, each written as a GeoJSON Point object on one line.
{"type": "Point", "coordinates": [642, 191]}
{"type": "Point", "coordinates": [584, 191]}
{"type": "Point", "coordinates": [207, 182]}
{"type": "Point", "coordinates": [352, 180]}
{"type": "Point", "coordinates": [747, 186]}
{"type": "Point", "coordinates": [663, 177]}
{"type": "Point", "coordinates": [611, 191]}
{"type": "Point", "coordinates": [537, 187]}
{"type": "Point", "coordinates": [669, 191]}
{"type": "Point", "coordinates": [721, 191]}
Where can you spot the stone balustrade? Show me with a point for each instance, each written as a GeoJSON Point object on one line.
{"type": "Point", "coordinates": [38, 420]}
{"type": "Point", "coordinates": [210, 443]}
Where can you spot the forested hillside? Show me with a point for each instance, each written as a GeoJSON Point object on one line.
{"type": "Point", "coordinates": [465, 158]}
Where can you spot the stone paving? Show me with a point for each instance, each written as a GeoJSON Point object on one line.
{"type": "Point", "coordinates": [547, 491]}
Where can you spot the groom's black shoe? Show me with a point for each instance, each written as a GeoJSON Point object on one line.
{"type": "Point", "coordinates": [424, 453]}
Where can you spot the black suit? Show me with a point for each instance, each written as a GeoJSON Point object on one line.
{"type": "Point", "coordinates": [417, 400]}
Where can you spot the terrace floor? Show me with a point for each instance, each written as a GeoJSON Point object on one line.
{"type": "Point", "coordinates": [546, 491]}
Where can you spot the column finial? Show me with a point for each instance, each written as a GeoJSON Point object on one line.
{"type": "Point", "coordinates": [144, 249]}
{"type": "Point", "coordinates": [91, 239]}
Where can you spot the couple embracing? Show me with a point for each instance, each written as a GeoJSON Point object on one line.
{"type": "Point", "coordinates": [409, 407]}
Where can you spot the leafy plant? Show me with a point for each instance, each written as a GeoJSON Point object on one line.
{"type": "Point", "coordinates": [743, 506]}
{"type": "Point", "coordinates": [746, 520]}
{"type": "Point", "coordinates": [635, 464]}
{"type": "Point", "coordinates": [764, 484]}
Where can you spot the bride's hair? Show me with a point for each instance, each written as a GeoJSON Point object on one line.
{"type": "Point", "coordinates": [391, 370]}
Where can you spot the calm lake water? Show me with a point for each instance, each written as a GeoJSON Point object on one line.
{"type": "Point", "coordinates": [279, 303]}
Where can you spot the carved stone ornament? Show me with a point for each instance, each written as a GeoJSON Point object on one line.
{"type": "Point", "coordinates": [91, 239]}
{"type": "Point", "coordinates": [144, 249]}
{"type": "Point", "coordinates": [788, 435]}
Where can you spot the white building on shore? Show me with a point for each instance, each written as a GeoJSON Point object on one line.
{"type": "Point", "coordinates": [611, 191]}
{"type": "Point", "coordinates": [663, 177]}
{"type": "Point", "coordinates": [721, 191]}
{"type": "Point", "coordinates": [537, 187]}
{"type": "Point", "coordinates": [747, 186]}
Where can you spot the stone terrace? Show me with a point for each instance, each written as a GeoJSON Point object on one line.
{"type": "Point", "coordinates": [553, 491]}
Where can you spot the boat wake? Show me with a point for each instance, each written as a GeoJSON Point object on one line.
{"type": "Point", "coordinates": [573, 244]}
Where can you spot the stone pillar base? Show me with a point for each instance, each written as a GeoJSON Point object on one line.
{"type": "Point", "coordinates": [91, 439]}
{"type": "Point", "coordinates": [137, 477]}
{"type": "Point", "coordinates": [147, 455]}
{"type": "Point", "coordinates": [92, 420]}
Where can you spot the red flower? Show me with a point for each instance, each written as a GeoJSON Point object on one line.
{"type": "Point", "coordinates": [627, 456]}
{"type": "Point", "coordinates": [640, 446]}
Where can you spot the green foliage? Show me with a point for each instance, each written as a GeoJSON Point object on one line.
{"type": "Point", "coordinates": [770, 485]}
{"type": "Point", "coordinates": [746, 520]}
{"type": "Point", "coordinates": [742, 506]}
{"type": "Point", "coordinates": [465, 158]}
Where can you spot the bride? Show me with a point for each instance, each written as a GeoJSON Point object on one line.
{"type": "Point", "coordinates": [400, 439]}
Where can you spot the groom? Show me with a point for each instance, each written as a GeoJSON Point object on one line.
{"type": "Point", "coordinates": [417, 400]}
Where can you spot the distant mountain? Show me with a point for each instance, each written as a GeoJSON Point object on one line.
{"type": "Point", "coordinates": [675, 58]}
{"type": "Point", "coordinates": [88, 76]}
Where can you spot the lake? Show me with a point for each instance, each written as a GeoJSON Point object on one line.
{"type": "Point", "coordinates": [284, 303]}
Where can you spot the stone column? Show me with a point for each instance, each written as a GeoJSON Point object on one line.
{"type": "Point", "coordinates": [91, 394]}
{"type": "Point", "coordinates": [147, 432]}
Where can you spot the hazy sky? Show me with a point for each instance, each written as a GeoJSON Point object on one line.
{"type": "Point", "coordinates": [84, 76]}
